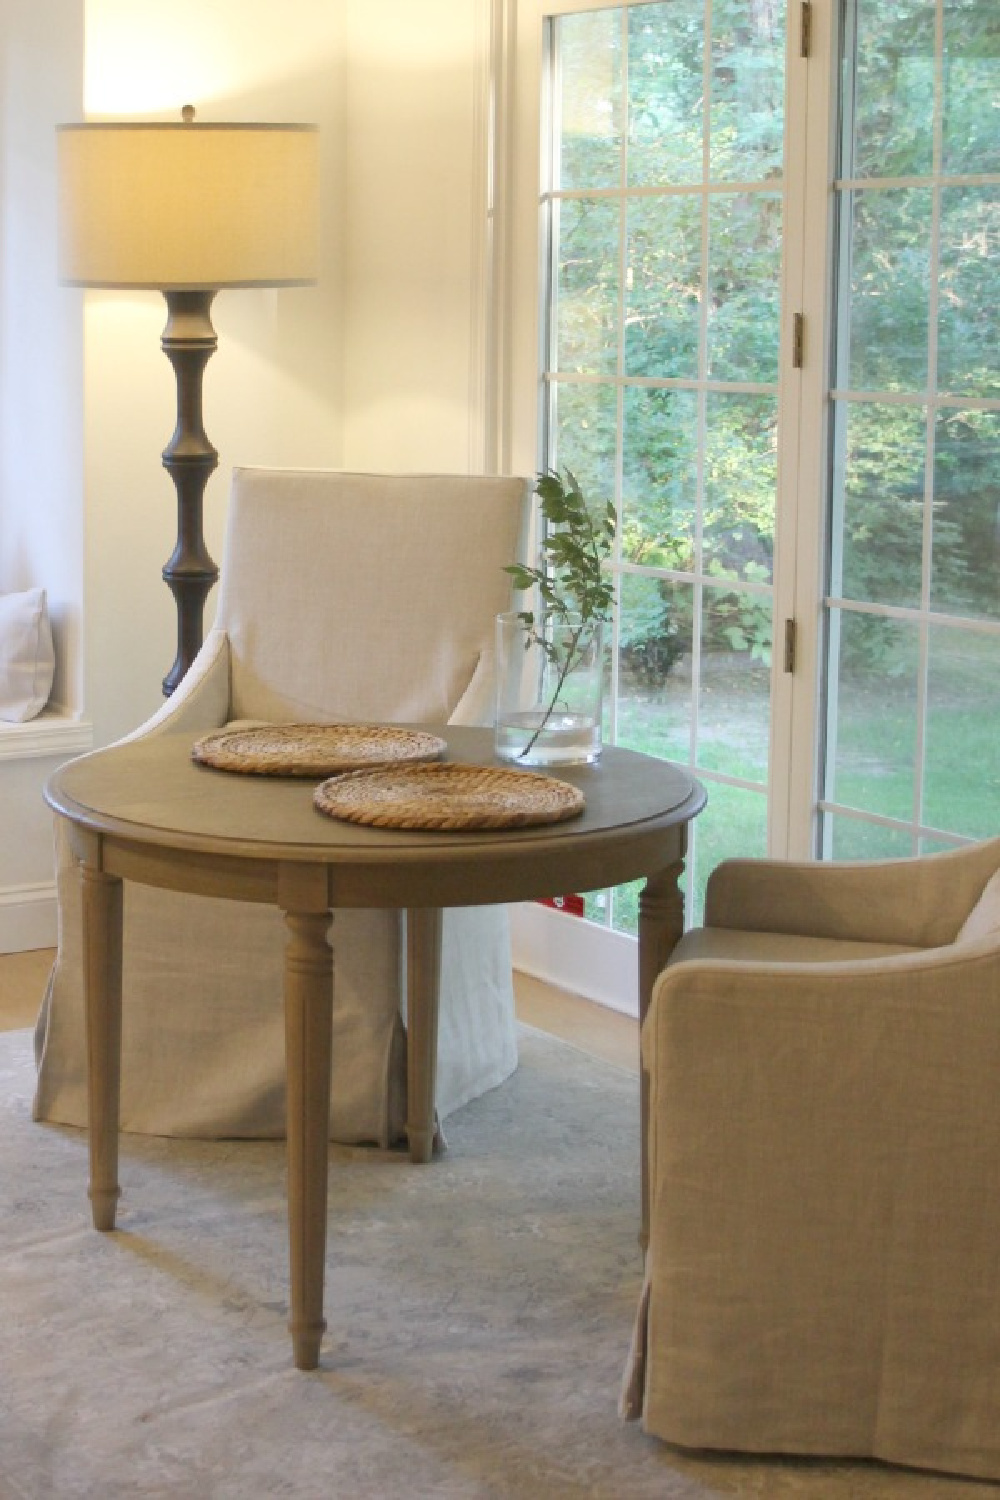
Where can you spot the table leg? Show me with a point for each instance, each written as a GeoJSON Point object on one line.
{"type": "Point", "coordinates": [102, 961]}
{"type": "Point", "coordinates": [423, 983]}
{"type": "Point", "coordinates": [661, 923]}
{"type": "Point", "coordinates": [308, 1030]}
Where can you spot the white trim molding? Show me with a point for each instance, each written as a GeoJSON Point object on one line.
{"type": "Point", "coordinates": [28, 917]}
{"type": "Point", "coordinates": [29, 753]}
{"type": "Point", "coordinates": [52, 733]}
{"type": "Point", "coordinates": [576, 955]}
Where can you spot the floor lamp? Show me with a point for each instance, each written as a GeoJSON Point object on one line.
{"type": "Point", "coordinates": [188, 209]}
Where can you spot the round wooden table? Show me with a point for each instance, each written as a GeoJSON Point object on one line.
{"type": "Point", "coordinates": [145, 812]}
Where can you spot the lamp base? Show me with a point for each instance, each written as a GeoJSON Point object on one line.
{"type": "Point", "coordinates": [189, 341]}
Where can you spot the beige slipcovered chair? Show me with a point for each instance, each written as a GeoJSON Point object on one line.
{"type": "Point", "coordinates": [342, 597]}
{"type": "Point", "coordinates": [823, 1271]}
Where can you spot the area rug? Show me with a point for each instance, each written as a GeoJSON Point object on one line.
{"type": "Point", "coordinates": [479, 1314]}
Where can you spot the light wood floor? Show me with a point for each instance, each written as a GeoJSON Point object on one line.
{"type": "Point", "coordinates": [593, 1028]}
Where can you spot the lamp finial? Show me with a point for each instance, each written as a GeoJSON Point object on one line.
{"type": "Point", "coordinates": [187, 113]}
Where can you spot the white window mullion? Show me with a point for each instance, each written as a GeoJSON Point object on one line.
{"type": "Point", "coordinates": [930, 434]}
{"type": "Point", "coordinates": [800, 544]}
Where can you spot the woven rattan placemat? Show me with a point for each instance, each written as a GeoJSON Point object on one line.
{"type": "Point", "coordinates": [449, 798]}
{"type": "Point", "coordinates": [313, 749]}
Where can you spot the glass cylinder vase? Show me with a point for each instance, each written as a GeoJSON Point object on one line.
{"type": "Point", "coordinates": [549, 687]}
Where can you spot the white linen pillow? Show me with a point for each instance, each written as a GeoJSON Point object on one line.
{"type": "Point", "coordinates": [27, 661]}
{"type": "Point", "coordinates": [984, 918]}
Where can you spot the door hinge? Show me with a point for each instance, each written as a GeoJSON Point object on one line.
{"type": "Point", "coordinates": [805, 28]}
{"type": "Point", "coordinates": [789, 658]}
{"type": "Point", "coordinates": [798, 340]}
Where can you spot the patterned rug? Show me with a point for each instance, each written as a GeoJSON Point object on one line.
{"type": "Point", "coordinates": [479, 1315]}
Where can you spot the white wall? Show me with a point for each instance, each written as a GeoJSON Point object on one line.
{"type": "Point", "coordinates": [415, 246]}
{"type": "Point", "coordinates": [41, 437]}
{"type": "Point", "coordinates": [41, 368]}
{"type": "Point", "coordinates": [380, 366]}
{"type": "Point", "coordinates": [272, 391]}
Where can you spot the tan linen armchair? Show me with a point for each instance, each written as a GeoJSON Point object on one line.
{"type": "Point", "coordinates": [823, 1272]}
{"type": "Point", "coordinates": [342, 597]}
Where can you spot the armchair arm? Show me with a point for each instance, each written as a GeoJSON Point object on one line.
{"type": "Point", "coordinates": [920, 902]}
{"type": "Point", "coordinates": [796, 1106]}
{"type": "Point", "coordinates": [718, 1029]}
{"type": "Point", "coordinates": [201, 700]}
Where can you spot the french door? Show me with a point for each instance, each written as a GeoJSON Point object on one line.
{"type": "Point", "coordinates": [912, 607]}
{"type": "Point", "coordinates": [761, 249]}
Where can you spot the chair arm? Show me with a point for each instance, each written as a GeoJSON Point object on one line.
{"type": "Point", "coordinates": [919, 902]}
{"type": "Point", "coordinates": [706, 1004]}
{"type": "Point", "coordinates": [201, 699]}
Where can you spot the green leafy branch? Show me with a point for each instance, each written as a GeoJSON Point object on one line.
{"type": "Point", "coordinates": [570, 581]}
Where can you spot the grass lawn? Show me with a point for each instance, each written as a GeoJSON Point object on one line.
{"type": "Point", "coordinates": [875, 748]}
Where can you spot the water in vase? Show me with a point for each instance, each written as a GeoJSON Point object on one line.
{"type": "Point", "coordinates": [567, 738]}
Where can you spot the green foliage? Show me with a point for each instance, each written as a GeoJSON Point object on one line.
{"type": "Point", "coordinates": [651, 96]}
{"type": "Point", "coordinates": [741, 618]}
{"type": "Point", "coordinates": [575, 545]}
{"type": "Point", "coordinates": [698, 470]}
{"type": "Point", "coordinates": [571, 582]}
{"type": "Point", "coordinates": [654, 633]}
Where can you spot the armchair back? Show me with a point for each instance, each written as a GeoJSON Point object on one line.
{"type": "Point", "coordinates": [365, 596]}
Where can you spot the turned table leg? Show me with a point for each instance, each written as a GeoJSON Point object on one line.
{"type": "Point", "coordinates": [102, 969]}
{"type": "Point", "coordinates": [661, 923]}
{"type": "Point", "coordinates": [308, 1030]}
{"type": "Point", "coordinates": [423, 982]}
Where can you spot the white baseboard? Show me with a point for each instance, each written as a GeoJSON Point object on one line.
{"type": "Point", "coordinates": [576, 955]}
{"type": "Point", "coordinates": [27, 917]}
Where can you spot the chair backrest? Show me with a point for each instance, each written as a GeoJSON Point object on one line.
{"type": "Point", "coordinates": [363, 596]}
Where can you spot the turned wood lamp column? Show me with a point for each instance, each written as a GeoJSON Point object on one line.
{"type": "Point", "coordinates": [188, 209]}
{"type": "Point", "coordinates": [189, 341]}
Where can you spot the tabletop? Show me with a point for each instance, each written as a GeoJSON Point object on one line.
{"type": "Point", "coordinates": [149, 793]}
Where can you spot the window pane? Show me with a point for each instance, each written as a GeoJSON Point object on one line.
{"type": "Point", "coordinates": [666, 92]}
{"type": "Point", "coordinates": [890, 261]}
{"type": "Point", "coordinates": [966, 559]}
{"type": "Point", "coordinates": [734, 701]}
{"type": "Point", "coordinates": [587, 285]}
{"type": "Point", "coordinates": [733, 825]}
{"type": "Point", "coordinates": [882, 480]}
{"type": "Point", "coordinates": [748, 90]}
{"type": "Point", "coordinates": [968, 358]}
{"type": "Point", "coordinates": [654, 684]}
{"type": "Point", "coordinates": [584, 422]}
{"type": "Point", "coordinates": [962, 784]}
{"type": "Point", "coordinates": [634, 405]}
{"type": "Point", "coordinates": [744, 319]}
{"type": "Point", "coordinates": [664, 287]}
{"type": "Point", "coordinates": [625, 907]}
{"type": "Point", "coordinates": [589, 108]}
{"type": "Point", "coordinates": [891, 68]}
{"type": "Point", "coordinates": [660, 477]}
{"type": "Point", "coordinates": [873, 714]}
{"type": "Point", "coordinates": [597, 907]}
{"type": "Point", "coordinates": [741, 476]}
{"type": "Point", "coordinates": [971, 60]}
{"type": "Point", "coordinates": [904, 738]}
{"type": "Point", "coordinates": [855, 839]}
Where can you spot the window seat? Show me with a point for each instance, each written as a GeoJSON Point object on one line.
{"type": "Point", "coordinates": [29, 753]}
